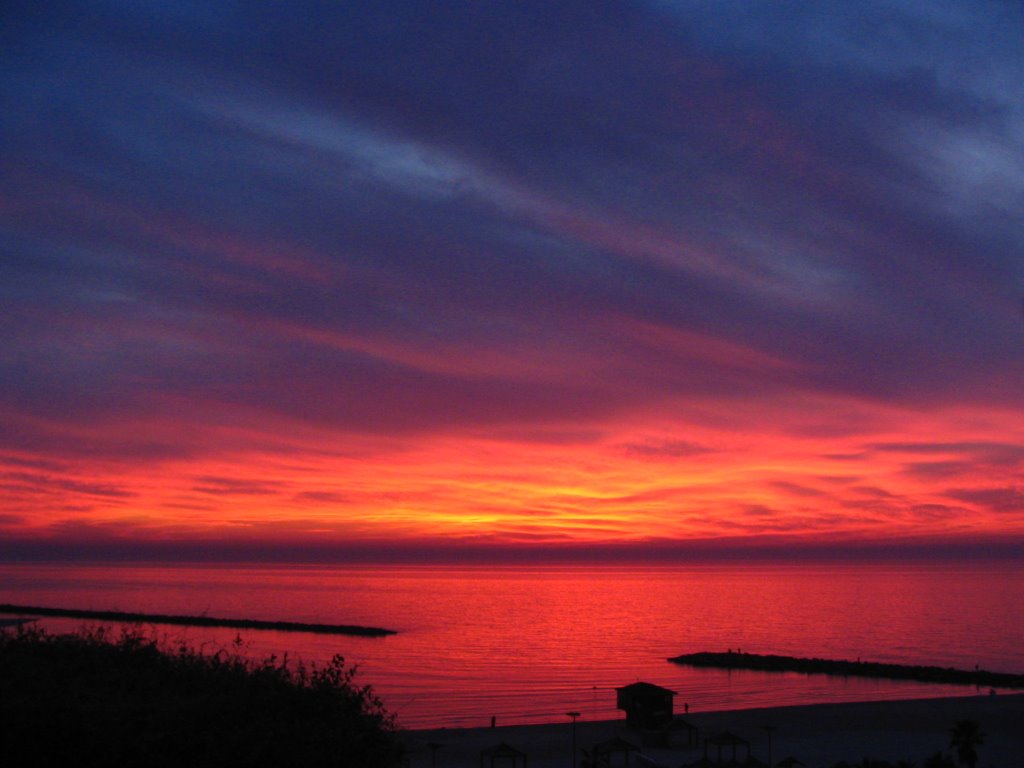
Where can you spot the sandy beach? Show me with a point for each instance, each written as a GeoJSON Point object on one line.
{"type": "Point", "coordinates": [818, 736]}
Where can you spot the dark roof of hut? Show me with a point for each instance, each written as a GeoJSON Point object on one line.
{"type": "Point", "coordinates": [726, 739]}
{"type": "Point", "coordinates": [502, 750]}
{"type": "Point", "coordinates": [616, 744]}
{"type": "Point", "coordinates": [645, 688]}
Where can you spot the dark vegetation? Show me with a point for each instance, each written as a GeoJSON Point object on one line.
{"type": "Point", "coordinates": [196, 621]}
{"type": "Point", "coordinates": [765, 663]}
{"type": "Point", "coordinates": [100, 698]}
{"type": "Point", "coordinates": [965, 737]}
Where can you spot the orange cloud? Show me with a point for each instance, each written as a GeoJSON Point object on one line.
{"type": "Point", "coordinates": [640, 482]}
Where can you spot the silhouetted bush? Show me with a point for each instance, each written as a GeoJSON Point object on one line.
{"type": "Point", "coordinates": [89, 699]}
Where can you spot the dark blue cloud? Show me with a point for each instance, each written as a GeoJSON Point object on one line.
{"type": "Point", "coordinates": [405, 215]}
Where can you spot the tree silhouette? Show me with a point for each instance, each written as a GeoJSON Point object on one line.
{"type": "Point", "coordinates": [965, 737]}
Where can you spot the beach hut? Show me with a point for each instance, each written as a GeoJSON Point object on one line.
{"type": "Point", "coordinates": [502, 756]}
{"type": "Point", "coordinates": [613, 753]}
{"type": "Point", "coordinates": [647, 706]}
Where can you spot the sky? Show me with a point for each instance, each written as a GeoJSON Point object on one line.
{"type": "Point", "coordinates": [378, 279]}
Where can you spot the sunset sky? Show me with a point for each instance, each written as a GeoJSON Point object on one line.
{"type": "Point", "coordinates": [386, 278]}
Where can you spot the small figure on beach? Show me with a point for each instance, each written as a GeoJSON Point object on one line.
{"type": "Point", "coordinates": [494, 721]}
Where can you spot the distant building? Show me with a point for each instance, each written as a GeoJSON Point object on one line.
{"type": "Point", "coordinates": [647, 706]}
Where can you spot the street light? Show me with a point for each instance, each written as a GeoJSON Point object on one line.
{"type": "Point", "coordinates": [573, 715]}
{"type": "Point", "coordinates": [770, 729]}
{"type": "Point", "coordinates": [433, 746]}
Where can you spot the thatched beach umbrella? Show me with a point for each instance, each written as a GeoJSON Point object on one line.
{"type": "Point", "coordinates": [727, 739]}
{"type": "Point", "coordinates": [502, 755]}
{"type": "Point", "coordinates": [692, 731]}
{"type": "Point", "coordinates": [614, 752]}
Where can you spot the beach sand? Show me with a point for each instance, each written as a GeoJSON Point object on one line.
{"type": "Point", "coordinates": [818, 735]}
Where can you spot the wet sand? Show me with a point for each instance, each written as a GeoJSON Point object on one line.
{"type": "Point", "coordinates": [819, 735]}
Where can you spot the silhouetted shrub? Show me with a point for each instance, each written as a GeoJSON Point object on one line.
{"type": "Point", "coordinates": [89, 698]}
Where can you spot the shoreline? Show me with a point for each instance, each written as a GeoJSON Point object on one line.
{"type": "Point", "coordinates": [818, 735]}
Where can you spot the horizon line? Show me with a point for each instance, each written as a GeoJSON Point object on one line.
{"type": "Point", "coordinates": [657, 553]}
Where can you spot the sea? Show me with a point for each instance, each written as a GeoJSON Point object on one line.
{"type": "Point", "coordinates": [530, 644]}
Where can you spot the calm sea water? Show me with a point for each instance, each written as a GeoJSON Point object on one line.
{"type": "Point", "coordinates": [529, 644]}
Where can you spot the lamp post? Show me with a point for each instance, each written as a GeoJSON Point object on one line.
{"type": "Point", "coordinates": [433, 746]}
{"type": "Point", "coordinates": [770, 729]}
{"type": "Point", "coordinates": [573, 715]}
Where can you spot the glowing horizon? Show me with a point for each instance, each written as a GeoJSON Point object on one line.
{"type": "Point", "coordinates": [629, 487]}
